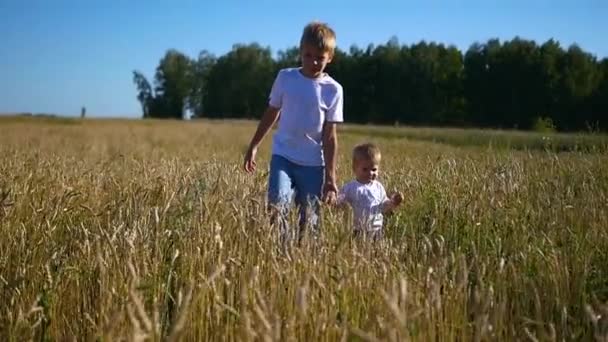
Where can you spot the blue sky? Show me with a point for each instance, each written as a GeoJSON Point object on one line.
{"type": "Point", "coordinates": [58, 55]}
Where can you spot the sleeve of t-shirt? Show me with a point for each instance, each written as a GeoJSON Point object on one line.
{"type": "Point", "coordinates": [276, 93]}
{"type": "Point", "coordinates": [335, 111]}
{"type": "Point", "coordinates": [382, 193]}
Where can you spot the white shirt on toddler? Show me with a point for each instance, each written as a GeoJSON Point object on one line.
{"type": "Point", "coordinates": [367, 201]}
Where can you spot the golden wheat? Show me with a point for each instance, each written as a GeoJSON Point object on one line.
{"type": "Point", "coordinates": [148, 230]}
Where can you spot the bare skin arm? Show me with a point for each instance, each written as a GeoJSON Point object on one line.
{"type": "Point", "coordinates": [268, 119]}
{"type": "Point", "coordinates": [330, 149]}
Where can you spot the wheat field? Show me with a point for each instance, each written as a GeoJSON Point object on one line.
{"type": "Point", "coordinates": [148, 230]}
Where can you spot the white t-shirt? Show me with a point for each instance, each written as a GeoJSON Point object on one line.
{"type": "Point", "coordinates": [367, 201]}
{"type": "Point", "coordinates": [306, 104]}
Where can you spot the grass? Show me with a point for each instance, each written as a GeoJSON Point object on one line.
{"type": "Point", "coordinates": [149, 230]}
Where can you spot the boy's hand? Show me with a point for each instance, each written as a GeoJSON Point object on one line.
{"type": "Point", "coordinates": [393, 201]}
{"type": "Point", "coordinates": [330, 193]}
{"type": "Point", "coordinates": [396, 198]}
{"type": "Point", "coordinates": [249, 164]}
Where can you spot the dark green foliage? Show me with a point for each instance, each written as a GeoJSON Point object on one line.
{"type": "Point", "coordinates": [509, 84]}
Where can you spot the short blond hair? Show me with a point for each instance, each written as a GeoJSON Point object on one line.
{"type": "Point", "coordinates": [319, 35]}
{"type": "Point", "coordinates": [367, 152]}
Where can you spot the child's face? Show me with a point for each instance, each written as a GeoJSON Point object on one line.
{"type": "Point", "coordinates": [366, 170]}
{"type": "Point", "coordinates": [314, 60]}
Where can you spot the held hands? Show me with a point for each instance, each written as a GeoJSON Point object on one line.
{"type": "Point", "coordinates": [249, 163]}
{"type": "Point", "coordinates": [396, 198]}
{"type": "Point", "coordinates": [330, 193]}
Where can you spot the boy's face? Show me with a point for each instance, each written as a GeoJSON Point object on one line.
{"type": "Point", "coordinates": [314, 60]}
{"type": "Point", "coordinates": [366, 170]}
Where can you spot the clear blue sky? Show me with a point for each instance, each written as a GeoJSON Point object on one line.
{"type": "Point", "coordinates": [58, 55]}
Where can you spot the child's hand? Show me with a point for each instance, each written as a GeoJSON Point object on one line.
{"type": "Point", "coordinates": [330, 193]}
{"type": "Point", "coordinates": [396, 198]}
{"type": "Point", "coordinates": [249, 164]}
{"type": "Point", "coordinates": [392, 202]}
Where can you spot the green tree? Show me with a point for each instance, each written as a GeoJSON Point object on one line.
{"type": "Point", "coordinates": [288, 58]}
{"type": "Point", "coordinates": [599, 116]}
{"type": "Point", "coordinates": [239, 82]}
{"type": "Point", "coordinates": [551, 56]}
{"type": "Point", "coordinates": [512, 84]}
{"type": "Point", "coordinates": [202, 67]}
{"type": "Point", "coordinates": [174, 80]}
{"type": "Point", "coordinates": [579, 79]}
{"type": "Point", "coordinates": [145, 95]}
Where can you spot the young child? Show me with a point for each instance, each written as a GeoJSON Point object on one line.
{"type": "Point", "coordinates": [308, 104]}
{"type": "Point", "coordinates": [366, 195]}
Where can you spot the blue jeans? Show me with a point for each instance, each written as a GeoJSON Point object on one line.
{"type": "Point", "coordinates": [287, 179]}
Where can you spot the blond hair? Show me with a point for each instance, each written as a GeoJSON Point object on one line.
{"type": "Point", "coordinates": [367, 152]}
{"type": "Point", "coordinates": [319, 35]}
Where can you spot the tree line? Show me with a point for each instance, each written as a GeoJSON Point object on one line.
{"type": "Point", "coordinates": [510, 84]}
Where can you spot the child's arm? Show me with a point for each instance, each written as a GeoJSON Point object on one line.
{"type": "Point", "coordinates": [268, 119]}
{"type": "Point", "coordinates": [330, 147]}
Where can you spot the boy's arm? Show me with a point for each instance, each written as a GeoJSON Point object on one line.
{"type": "Point", "coordinates": [330, 148]}
{"type": "Point", "coordinates": [268, 119]}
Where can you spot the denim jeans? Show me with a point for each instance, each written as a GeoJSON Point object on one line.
{"type": "Point", "coordinates": [287, 179]}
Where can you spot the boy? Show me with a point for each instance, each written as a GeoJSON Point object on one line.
{"type": "Point", "coordinates": [308, 104]}
{"type": "Point", "coordinates": [366, 195]}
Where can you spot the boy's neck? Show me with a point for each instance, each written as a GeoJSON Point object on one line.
{"type": "Point", "coordinates": [364, 181]}
{"type": "Point", "coordinates": [311, 76]}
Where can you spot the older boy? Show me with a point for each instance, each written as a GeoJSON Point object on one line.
{"type": "Point", "coordinates": [308, 104]}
